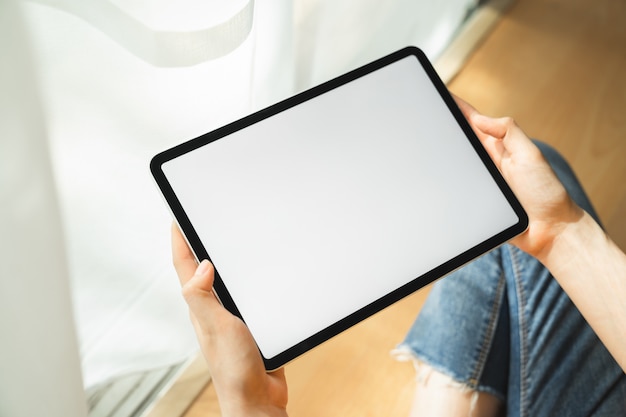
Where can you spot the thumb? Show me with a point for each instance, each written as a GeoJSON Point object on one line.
{"type": "Point", "coordinates": [198, 293]}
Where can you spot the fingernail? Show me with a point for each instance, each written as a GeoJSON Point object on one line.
{"type": "Point", "coordinates": [203, 267]}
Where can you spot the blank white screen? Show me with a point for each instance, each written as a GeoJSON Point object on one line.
{"type": "Point", "coordinates": [316, 212]}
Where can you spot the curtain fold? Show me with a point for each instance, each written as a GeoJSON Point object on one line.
{"type": "Point", "coordinates": [39, 363]}
{"type": "Point", "coordinates": [171, 44]}
{"type": "Point", "coordinates": [109, 111]}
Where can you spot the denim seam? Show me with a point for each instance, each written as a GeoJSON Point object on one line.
{"type": "Point", "coordinates": [488, 339]}
{"type": "Point", "coordinates": [523, 330]}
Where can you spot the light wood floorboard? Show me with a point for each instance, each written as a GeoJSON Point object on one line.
{"type": "Point", "coordinates": [558, 67]}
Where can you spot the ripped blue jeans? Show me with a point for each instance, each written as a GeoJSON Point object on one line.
{"type": "Point", "coordinates": [503, 325]}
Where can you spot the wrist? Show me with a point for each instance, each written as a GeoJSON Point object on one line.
{"type": "Point", "coordinates": [552, 236]}
{"type": "Point", "coordinates": [568, 242]}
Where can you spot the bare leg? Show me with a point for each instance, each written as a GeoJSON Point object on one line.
{"type": "Point", "coordinates": [439, 395]}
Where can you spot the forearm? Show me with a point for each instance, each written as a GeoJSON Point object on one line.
{"type": "Point", "coordinates": [592, 271]}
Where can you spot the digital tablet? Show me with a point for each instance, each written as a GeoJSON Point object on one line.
{"type": "Point", "coordinates": [327, 207]}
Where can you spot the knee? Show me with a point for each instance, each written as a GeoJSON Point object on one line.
{"type": "Point", "coordinates": [437, 394]}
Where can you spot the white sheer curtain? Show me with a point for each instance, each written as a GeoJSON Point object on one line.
{"type": "Point", "coordinates": [120, 80]}
{"type": "Point", "coordinates": [112, 102]}
{"type": "Point", "coordinates": [39, 368]}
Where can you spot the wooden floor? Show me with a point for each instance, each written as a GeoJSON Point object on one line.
{"type": "Point", "coordinates": [559, 68]}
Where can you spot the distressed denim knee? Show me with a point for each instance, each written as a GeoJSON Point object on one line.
{"type": "Point", "coordinates": [462, 329]}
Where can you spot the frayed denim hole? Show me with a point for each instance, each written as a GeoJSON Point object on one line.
{"type": "Point", "coordinates": [403, 353]}
{"type": "Point", "coordinates": [424, 372]}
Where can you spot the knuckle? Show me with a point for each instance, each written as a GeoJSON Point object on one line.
{"type": "Point", "coordinates": [189, 292]}
{"type": "Point", "coordinates": [509, 121]}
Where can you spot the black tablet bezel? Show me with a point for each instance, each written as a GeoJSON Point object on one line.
{"type": "Point", "coordinates": [387, 299]}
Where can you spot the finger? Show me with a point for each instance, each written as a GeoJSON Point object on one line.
{"type": "Point", "coordinates": [496, 128]}
{"type": "Point", "coordinates": [492, 144]}
{"type": "Point", "coordinates": [470, 112]}
{"type": "Point", "coordinates": [467, 109]}
{"type": "Point", "coordinates": [485, 132]}
{"type": "Point", "coordinates": [183, 259]}
{"type": "Point", "coordinates": [514, 140]}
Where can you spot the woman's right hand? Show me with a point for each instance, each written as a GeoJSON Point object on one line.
{"type": "Point", "coordinates": [531, 178]}
{"type": "Point", "coordinates": [242, 385]}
